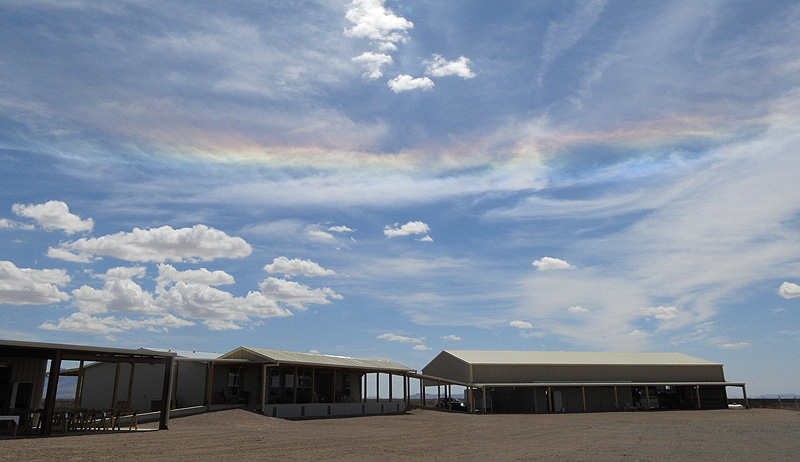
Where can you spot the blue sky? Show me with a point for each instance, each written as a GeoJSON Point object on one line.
{"type": "Point", "coordinates": [390, 179]}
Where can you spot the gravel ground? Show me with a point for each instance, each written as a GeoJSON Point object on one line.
{"type": "Point", "coordinates": [426, 435]}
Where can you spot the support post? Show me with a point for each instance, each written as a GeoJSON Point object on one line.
{"type": "Point", "coordinates": [333, 387]}
{"type": "Point", "coordinates": [390, 387]}
{"type": "Point", "coordinates": [647, 392]}
{"type": "Point", "coordinates": [549, 399]}
{"type": "Point", "coordinates": [79, 387]}
{"type": "Point", "coordinates": [697, 393]}
{"type": "Point", "coordinates": [485, 411]}
{"type": "Point", "coordinates": [261, 400]}
{"type": "Point", "coordinates": [166, 393]}
{"type": "Point", "coordinates": [377, 387]}
{"type": "Point", "coordinates": [209, 384]}
{"type": "Point", "coordinates": [422, 391]}
{"type": "Point", "coordinates": [50, 398]}
{"type": "Point", "coordinates": [313, 385]}
{"type": "Point", "coordinates": [438, 392]}
{"type": "Point", "coordinates": [405, 388]}
{"type": "Point", "coordinates": [583, 396]}
{"type": "Point", "coordinates": [174, 386]}
{"type": "Point", "coordinates": [364, 393]}
{"type": "Point", "coordinates": [616, 397]}
{"type": "Point", "coordinates": [116, 388]}
{"type": "Point", "coordinates": [130, 387]}
{"type": "Point", "coordinates": [294, 385]}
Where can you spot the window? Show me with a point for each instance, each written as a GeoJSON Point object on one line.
{"type": "Point", "coordinates": [233, 382]}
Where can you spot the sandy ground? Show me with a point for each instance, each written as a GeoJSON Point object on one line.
{"type": "Point", "coordinates": [426, 435]}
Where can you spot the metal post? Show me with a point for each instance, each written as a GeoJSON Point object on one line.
{"type": "Point", "coordinates": [377, 387]}
{"type": "Point", "coordinates": [390, 387]}
{"type": "Point", "coordinates": [50, 398]}
{"type": "Point", "coordinates": [697, 393]}
{"type": "Point", "coordinates": [484, 399]}
{"type": "Point", "coordinates": [166, 393]}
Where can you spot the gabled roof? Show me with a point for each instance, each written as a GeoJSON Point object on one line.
{"type": "Point", "coordinates": [321, 360]}
{"type": "Point", "coordinates": [576, 358]}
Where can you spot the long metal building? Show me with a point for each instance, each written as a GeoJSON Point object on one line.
{"type": "Point", "coordinates": [563, 381]}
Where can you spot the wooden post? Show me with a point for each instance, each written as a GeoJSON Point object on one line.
{"type": "Point", "coordinates": [647, 392]}
{"type": "Point", "coordinates": [364, 393]}
{"type": "Point", "coordinates": [549, 399]}
{"type": "Point", "coordinates": [50, 398]}
{"type": "Point", "coordinates": [405, 388]}
{"type": "Point", "coordinates": [390, 387]}
{"type": "Point", "coordinates": [616, 397]}
{"type": "Point", "coordinates": [438, 392]}
{"type": "Point", "coordinates": [163, 422]}
{"type": "Point", "coordinates": [116, 387]}
{"type": "Point", "coordinates": [130, 387]}
{"type": "Point", "coordinates": [294, 385]}
{"type": "Point", "coordinates": [313, 384]}
{"type": "Point", "coordinates": [485, 411]}
{"type": "Point", "coordinates": [333, 387]}
{"type": "Point", "coordinates": [174, 386]}
{"type": "Point", "coordinates": [79, 387]}
{"type": "Point", "coordinates": [209, 384]}
{"type": "Point", "coordinates": [697, 393]}
{"type": "Point", "coordinates": [377, 387]}
{"type": "Point", "coordinates": [744, 393]}
{"type": "Point", "coordinates": [261, 400]}
{"type": "Point", "coordinates": [471, 401]}
{"type": "Point", "coordinates": [583, 395]}
{"type": "Point", "coordinates": [422, 391]}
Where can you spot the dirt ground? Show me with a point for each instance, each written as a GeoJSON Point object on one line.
{"type": "Point", "coordinates": [427, 435]}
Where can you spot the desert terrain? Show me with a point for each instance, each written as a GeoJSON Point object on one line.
{"type": "Point", "coordinates": [427, 435]}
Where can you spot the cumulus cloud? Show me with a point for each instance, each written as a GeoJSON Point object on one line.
{"type": "Point", "coordinates": [167, 274]}
{"type": "Point", "coordinates": [123, 272]}
{"type": "Point", "coordinates": [437, 66]}
{"type": "Point", "coordinates": [451, 337]}
{"type": "Point", "coordinates": [86, 323]}
{"type": "Point", "coordinates": [521, 324]}
{"type": "Point", "coordinates": [373, 21]}
{"type": "Point", "coordinates": [66, 255]}
{"type": "Point", "coordinates": [549, 263]}
{"type": "Point", "coordinates": [421, 348]}
{"type": "Point", "coordinates": [26, 286]}
{"type": "Point", "coordinates": [426, 239]}
{"type": "Point", "coordinates": [54, 215]}
{"type": "Point", "coordinates": [577, 309]}
{"type": "Point", "coordinates": [399, 338]}
{"type": "Point", "coordinates": [664, 313]}
{"type": "Point", "coordinates": [373, 62]}
{"type": "Point", "coordinates": [296, 294]}
{"type": "Point", "coordinates": [201, 301]}
{"type": "Point", "coordinates": [405, 82]}
{"type": "Point", "coordinates": [164, 244]}
{"type": "Point", "coordinates": [340, 229]}
{"type": "Point", "coordinates": [120, 295]}
{"type": "Point", "coordinates": [297, 266]}
{"type": "Point", "coordinates": [789, 290]}
{"type": "Point", "coordinates": [6, 223]}
{"type": "Point", "coordinates": [412, 227]}
{"type": "Point", "coordinates": [218, 324]}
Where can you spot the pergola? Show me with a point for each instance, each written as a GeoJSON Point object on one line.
{"type": "Point", "coordinates": [57, 353]}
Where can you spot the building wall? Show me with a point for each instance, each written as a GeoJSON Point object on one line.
{"type": "Point", "coordinates": [483, 373]}
{"type": "Point", "coordinates": [24, 370]}
{"type": "Point", "coordinates": [98, 385]}
{"type": "Point", "coordinates": [191, 378]}
{"type": "Point", "coordinates": [448, 366]}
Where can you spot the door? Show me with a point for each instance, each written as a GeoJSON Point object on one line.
{"type": "Point", "coordinates": [558, 405]}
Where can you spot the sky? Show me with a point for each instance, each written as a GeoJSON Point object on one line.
{"type": "Point", "coordinates": [389, 179]}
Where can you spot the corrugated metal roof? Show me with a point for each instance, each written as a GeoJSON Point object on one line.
{"type": "Point", "coordinates": [316, 359]}
{"type": "Point", "coordinates": [82, 348]}
{"type": "Point", "coordinates": [576, 358]}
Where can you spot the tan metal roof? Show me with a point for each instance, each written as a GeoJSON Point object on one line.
{"type": "Point", "coordinates": [576, 358]}
{"type": "Point", "coordinates": [316, 359]}
{"type": "Point", "coordinates": [83, 348]}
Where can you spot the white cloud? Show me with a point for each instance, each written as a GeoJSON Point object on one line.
{"type": "Point", "coordinates": [165, 244]}
{"type": "Point", "coordinates": [665, 313]}
{"type": "Point", "coordinates": [201, 301]}
{"type": "Point", "coordinates": [437, 66]}
{"type": "Point", "coordinates": [54, 215]}
{"type": "Point", "coordinates": [421, 348]}
{"type": "Point", "coordinates": [531, 334]}
{"type": "Point", "coordinates": [373, 62]}
{"type": "Point", "coordinates": [297, 266]}
{"type": "Point", "coordinates": [169, 321]}
{"type": "Point", "coordinates": [321, 236]}
{"type": "Point", "coordinates": [548, 263]}
{"type": "Point", "coordinates": [123, 272]}
{"type": "Point", "coordinates": [218, 324]}
{"type": "Point", "coordinates": [296, 294]}
{"type": "Point", "coordinates": [734, 346]}
{"type": "Point", "coordinates": [451, 337]}
{"type": "Point", "coordinates": [66, 255]}
{"type": "Point", "coordinates": [399, 338]}
{"type": "Point", "coordinates": [561, 36]}
{"type": "Point", "coordinates": [521, 324]}
{"type": "Point", "coordinates": [117, 295]}
{"type": "Point", "coordinates": [340, 229]}
{"type": "Point", "coordinates": [167, 274]}
{"type": "Point", "coordinates": [412, 227]}
{"type": "Point", "coordinates": [577, 309]}
{"type": "Point", "coordinates": [85, 323]}
{"type": "Point", "coordinates": [6, 223]}
{"type": "Point", "coordinates": [789, 290]}
{"type": "Point", "coordinates": [373, 21]}
{"type": "Point", "coordinates": [426, 239]}
{"type": "Point", "coordinates": [25, 286]}
{"type": "Point", "coordinates": [405, 82]}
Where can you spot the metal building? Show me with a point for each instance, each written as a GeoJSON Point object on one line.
{"type": "Point", "coordinates": [562, 381]}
